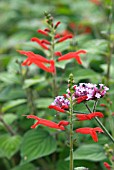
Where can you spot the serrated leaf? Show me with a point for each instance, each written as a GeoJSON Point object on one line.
{"type": "Point", "coordinates": [90, 152]}
{"type": "Point", "coordinates": [36, 144]}
{"type": "Point", "coordinates": [9, 145]}
{"type": "Point", "coordinates": [43, 102]}
{"type": "Point", "coordinates": [12, 104]}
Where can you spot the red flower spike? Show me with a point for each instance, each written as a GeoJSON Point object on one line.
{"type": "Point", "coordinates": [65, 38]}
{"type": "Point", "coordinates": [34, 39]}
{"type": "Point", "coordinates": [57, 36]}
{"type": "Point", "coordinates": [48, 123]}
{"type": "Point", "coordinates": [58, 53]}
{"type": "Point", "coordinates": [90, 116]}
{"type": "Point", "coordinates": [42, 32]}
{"type": "Point", "coordinates": [45, 42]}
{"type": "Point", "coordinates": [91, 131]}
{"type": "Point", "coordinates": [81, 99]}
{"type": "Point", "coordinates": [107, 166]}
{"type": "Point", "coordinates": [56, 108]}
{"type": "Point", "coordinates": [32, 57]}
{"type": "Point", "coordinates": [71, 55]}
{"type": "Point", "coordinates": [57, 24]}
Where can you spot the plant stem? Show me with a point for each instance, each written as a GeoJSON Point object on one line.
{"type": "Point", "coordinates": [55, 90]}
{"type": "Point", "coordinates": [100, 124]}
{"type": "Point", "coordinates": [71, 135]}
{"type": "Point", "coordinates": [9, 129]}
{"type": "Point", "coordinates": [109, 57]}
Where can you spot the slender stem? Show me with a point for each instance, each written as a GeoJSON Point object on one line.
{"type": "Point", "coordinates": [55, 91]}
{"type": "Point", "coordinates": [101, 125]}
{"type": "Point", "coordinates": [109, 57]}
{"type": "Point", "coordinates": [71, 135]}
{"type": "Point", "coordinates": [9, 129]}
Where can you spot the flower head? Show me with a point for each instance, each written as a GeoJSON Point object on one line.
{"type": "Point", "coordinates": [88, 91]}
{"type": "Point", "coordinates": [48, 123]}
{"type": "Point", "coordinates": [60, 104]}
{"type": "Point", "coordinates": [91, 131]}
{"type": "Point", "coordinates": [90, 116]}
{"type": "Point", "coordinates": [71, 55]}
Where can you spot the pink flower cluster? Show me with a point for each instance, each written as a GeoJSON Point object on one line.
{"type": "Point", "coordinates": [88, 91]}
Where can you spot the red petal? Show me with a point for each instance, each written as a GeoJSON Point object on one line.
{"type": "Point", "coordinates": [42, 32]}
{"type": "Point", "coordinates": [94, 135]}
{"type": "Point", "coordinates": [34, 39]}
{"type": "Point", "coordinates": [63, 122]}
{"type": "Point", "coordinates": [65, 38]}
{"type": "Point", "coordinates": [56, 108]}
{"type": "Point", "coordinates": [107, 166]}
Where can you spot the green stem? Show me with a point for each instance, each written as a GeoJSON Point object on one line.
{"type": "Point", "coordinates": [55, 91]}
{"type": "Point", "coordinates": [109, 57]}
{"type": "Point", "coordinates": [101, 125]}
{"type": "Point", "coordinates": [9, 128]}
{"type": "Point", "coordinates": [71, 135]}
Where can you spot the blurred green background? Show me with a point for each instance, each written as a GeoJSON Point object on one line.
{"type": "Point", "coordinates": [28, 90]}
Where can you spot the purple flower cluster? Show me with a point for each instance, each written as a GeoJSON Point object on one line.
{"type": "Point", "coordinates": [92, 91]}
{"type": "Point", "coordinates": [61, 102]}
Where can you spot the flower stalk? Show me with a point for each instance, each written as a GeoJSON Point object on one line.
{"type": "Point", "coordinates": [100, 124]}
{"type": "Point", "coordinates": [71, 82]}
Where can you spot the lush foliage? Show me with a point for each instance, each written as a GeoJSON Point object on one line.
{"type": "Point", "coordinates": [30, 90]}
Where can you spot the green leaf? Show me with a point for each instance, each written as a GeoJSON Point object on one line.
{"type": "Point", "coordinates": [91, 152]}
{"type": "Point", "coordinates": [36, 144]}
{"type": "Point", "coordinates": [12, 104]}
{"type": "Point", "coordinates": [28, 166]}
{"type": "Point", "coordinates": [43, 102]}
{"type": "Point", "coordinates": [9, 145]}
{"type": "Point", "coordinates": [31, 82]}
{"type": "Point", "coordinates": [9, 78]}
{"type": "Point", "coordinates": [80, 74]}
{"type": "Point", "coordinates": [8, 118]}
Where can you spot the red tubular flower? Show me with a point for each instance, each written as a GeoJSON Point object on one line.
{"type": "Point", "coordinates": [72, 55]}
{"type": "Point", "coordinates": [38, 60]}
{"type": "Point", "coordinates": [58, 53]}
{"type": "Point", "coordinates": [81, 99]}
{"type": "Point", "coordinates": [65, 38]}
{"type": "Point", "coordinates": [103, 105]}
{"type": "Point", "coordinates": [57, 36]}
{"type": "Point", "coordinates": [47, 29]}
{"type": "Point", "coordinates": [90, 116]}
{"type": "Point", "coordinates": [56, 108]}
{"type": "Point", "coordinates": [45, 42]}
{"type": "Point", "coordinates": [33, 57]}
{"type": "Point", "coordinates": [34, 39]}
{"type": "Point", "coordinates": [57, 24]}
{"type": "Point", "coordinates": [43, 32]}
{"type": "Point", "coordinates": [48, 123]}
{"type": "Point", "coordinates": [107, 166]}
{"type": "Point", "coordinates": [91, 131]}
